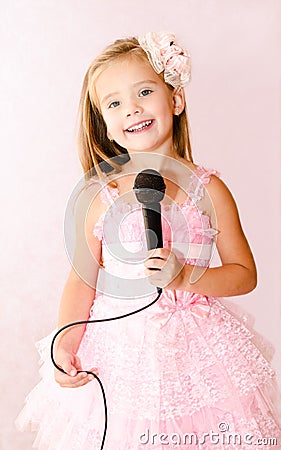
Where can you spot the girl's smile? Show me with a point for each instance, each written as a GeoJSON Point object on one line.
{"type": "Point", "coordinates": [141, 126]}
{"type": "Point", "coordinates": [137, 106]}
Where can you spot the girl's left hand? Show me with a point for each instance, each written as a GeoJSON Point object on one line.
{"type": "Point", "coordinates": [164, 269]}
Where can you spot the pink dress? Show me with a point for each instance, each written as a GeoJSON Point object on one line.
{"type": "Point", "coordinates": [183, 373]}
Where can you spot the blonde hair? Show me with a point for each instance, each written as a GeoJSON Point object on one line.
{"type": "Point", "coordinates": [94, 145]}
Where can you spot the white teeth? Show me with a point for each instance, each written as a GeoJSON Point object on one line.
{"type": "Point", "coordinates": [140, 126]}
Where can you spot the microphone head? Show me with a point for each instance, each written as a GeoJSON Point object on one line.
{"type": "Point", "coordinates": [149, 186]}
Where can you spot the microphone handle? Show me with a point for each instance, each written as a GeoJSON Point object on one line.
{"type": "Point", "coordinates": [153, 226]}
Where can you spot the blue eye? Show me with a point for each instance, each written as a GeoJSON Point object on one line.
{"type": "Point", "coordinates": [114, 104]}
{"type": "Point", "coordinates": [145, 92]}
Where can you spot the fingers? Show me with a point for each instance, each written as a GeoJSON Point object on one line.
{"type": "Point", "coordinates": [157, 260]}
{"type": "Point", "coordinates": [162, 253]}
{"type": "Point", "coordinates": [71, 366]}
{"type": "Point", "coordinates": [163, 268]}
{"type": "Point", "coordinates": [73, 375]}
{"type": "Point", "coordinates": [74, 381]}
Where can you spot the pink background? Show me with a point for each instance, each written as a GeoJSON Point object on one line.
{"type": "Point", "coordinates": [234, 110]}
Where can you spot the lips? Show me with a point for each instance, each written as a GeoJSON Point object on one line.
{"type": "Point", "coordinates": [138, 127]}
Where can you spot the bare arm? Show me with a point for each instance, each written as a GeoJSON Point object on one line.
{"type": "Point", "coordinates": [76, 302]}
{"type": "Point", "coordinates": [79, 291]}
{"type": "Point", "coordinates": [238, 274]}
{"type": "Point", "coordinates": [78, 294]}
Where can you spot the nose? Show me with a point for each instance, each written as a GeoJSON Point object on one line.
{"type": "Point", "coordinates": [133, 108]}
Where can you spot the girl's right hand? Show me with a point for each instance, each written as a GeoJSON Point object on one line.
{"type": "Point", "coordinates": [71, 364]}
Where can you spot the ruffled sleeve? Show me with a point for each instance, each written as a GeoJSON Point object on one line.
{"type": "Point", "coordinates": [98, 228]}
{"type": "Point", "coordinates": [204, 174]}
{"type": "Point", "coordinates": [200, 177]}
{"type": "Point", "coordinates": [108, 196]}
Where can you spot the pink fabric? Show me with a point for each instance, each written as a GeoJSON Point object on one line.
{"type": "Point", "coordinates": [165, 55]}
{"type": "Point", "coordinates": [184, 365]}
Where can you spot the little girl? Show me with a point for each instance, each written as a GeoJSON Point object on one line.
{"type": "Point", "coordinates": [183, 372]}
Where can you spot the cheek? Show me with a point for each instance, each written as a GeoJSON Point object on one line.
{"type": "Point", "coordinates": [111, 121]}
{"type": "Point", "coordinates": [108, 122]}
{"type": "Point", "coordinates": [167, 108]}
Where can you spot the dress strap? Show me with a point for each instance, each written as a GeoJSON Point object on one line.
{"type": "Point", "coordinates": [195, 188]}
{"type": "Point", "coordinates": [200, 177]}
{"type": "Point", "coordinates": [109, 194]}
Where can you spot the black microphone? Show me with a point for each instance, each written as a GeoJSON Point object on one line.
{"type": "Point", "coordinates": [149, 188]}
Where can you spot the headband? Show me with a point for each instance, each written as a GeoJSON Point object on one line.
{"type": "Point", "coordinates": [165, 55]}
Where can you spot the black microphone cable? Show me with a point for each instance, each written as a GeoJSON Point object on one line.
{"type": "Point", "coordinates": [81, 322]}
{"type": "Point", "coordinates": [149, 189]}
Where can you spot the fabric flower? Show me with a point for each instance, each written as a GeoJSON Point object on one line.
{"type": "Point", "coordinates": [165, 55]}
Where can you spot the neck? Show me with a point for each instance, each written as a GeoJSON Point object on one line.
{"type": "Point", "coordinates": [140, 161]}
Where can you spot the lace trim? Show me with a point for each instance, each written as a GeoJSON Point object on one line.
{"type": "Point", "coordinates": [195, 188]}
{"type": "Point", "coordinates": [200, 177]}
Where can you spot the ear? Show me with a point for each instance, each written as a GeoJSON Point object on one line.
{"type": "Point", "coordinates": [178, 101]}
{"type": "Point", "coordinates": [109, 137]}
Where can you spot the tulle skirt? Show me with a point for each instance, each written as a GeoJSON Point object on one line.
{"type": "Point", "coordinates": [174, 377]}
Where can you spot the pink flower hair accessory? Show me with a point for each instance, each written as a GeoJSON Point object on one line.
{"type": "Point", "coordinates": [165, 55]}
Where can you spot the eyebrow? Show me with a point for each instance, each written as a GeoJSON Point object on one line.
{"type": "Point", "coordinates": [112, 94]}
{"type": "Point", "coordinates": [137, 83]}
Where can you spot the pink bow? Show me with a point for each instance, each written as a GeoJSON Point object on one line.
{"type": "Point", "coordinates": [200, 306]}
{"type": "Point", "coordinates": [168, 305]}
